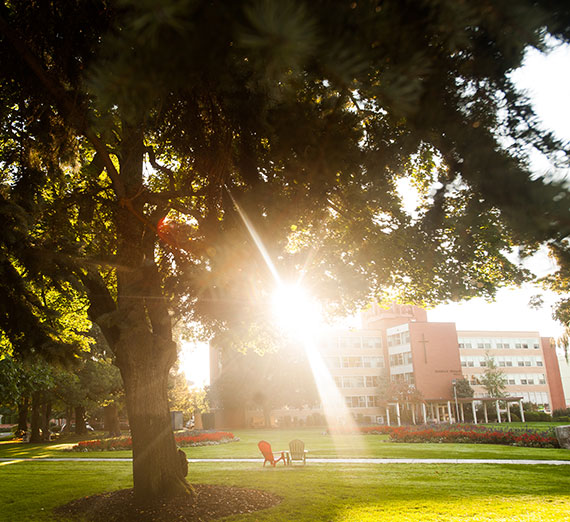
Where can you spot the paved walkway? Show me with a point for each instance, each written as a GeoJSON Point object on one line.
{"type": "Point", "coordinates": [322, 461]}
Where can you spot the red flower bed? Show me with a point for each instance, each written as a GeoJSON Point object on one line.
{"type": "Point", "coordinates": [474, 434]}
{"type": "Point", "coordinates": [125, 443]}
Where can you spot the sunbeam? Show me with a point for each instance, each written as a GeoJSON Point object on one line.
{"type": "Point", "coordinates": [299, 316]}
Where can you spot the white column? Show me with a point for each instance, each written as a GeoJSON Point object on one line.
{"type": "Point", "coordinates": [474, 410]}
{"type": "Point", "coordinates": [398, 413]}
{"type": "Point", "coordinates": [449, 412]}
{"type": "Point", "coordinates": [462, 413]}
{"type": "Point", "coordinates": [485, 412]}
{"type": "Point", "coordinates": [498, 411]}
{"type": "Point", "coordinates": [509, 411]}
{"type": "Point", "coordinates": [388, 415]}
{"type": "Point", "coordinates": [437, 412]}
{"type": "Point", "coordinates": [521, 410]}
{"type": "Point", "coordinates": [424, 411]}
{"type": "Point", "coordinates": [414, 413]}
{"type": "Point", "coordinates": [432, 412]}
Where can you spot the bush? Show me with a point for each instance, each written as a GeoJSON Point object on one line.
{"type": "Point", "coordinates": [564, 413]}
{"type": "Point", "coordinates": [562, 419]}
{"type": "Point", "coordinates": [537, 416]}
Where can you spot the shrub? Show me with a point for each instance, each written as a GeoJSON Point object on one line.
{"type": "Point", "coordinates": [564, 413]}
{"type": "Point", "coordinates": [537, 416]}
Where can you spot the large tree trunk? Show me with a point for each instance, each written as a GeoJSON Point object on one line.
{"type": "Point", "coordinates": [157, 468]}
{"type": "Point", "coordinates": [35, 435]}
{"type": "Point", "coordinates": [111, 418]}
{"type": "Point", "coordinates": [80, 427]}
{"type": "Point", "coordinates": [142, 341]}
{"type": "Point", "coordinates": [23, 407]}
{"type": "Point", "coordinates": [44, 420]}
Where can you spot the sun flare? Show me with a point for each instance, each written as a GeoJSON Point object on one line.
{"type": "Point", "coordinates": [295, 311]}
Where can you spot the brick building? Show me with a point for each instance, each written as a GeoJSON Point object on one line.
{"type": "Point", "coordinates": [400, 346]}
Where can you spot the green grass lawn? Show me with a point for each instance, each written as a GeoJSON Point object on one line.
{"type": "Point", "coordinates": [318, 444]}
{"type": "Point", "coordinates": [320, 492]}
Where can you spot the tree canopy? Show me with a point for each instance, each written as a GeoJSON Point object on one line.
{"type": "Point", "coordinates": [132, 131]}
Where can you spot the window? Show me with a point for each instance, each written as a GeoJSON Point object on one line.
{"type": "Point", "coordinates": [372, 381]}
{"type": "Point", "coordinates": [509, 363]}
{"type": "Point", "coordinates": [502, 363]}
{"type": "Point", "coordinates": [538, 362]}
{"type": "Point", "coordinates": [523, 381]}
{"type": "Point", "coordinates": [471, 364]}
{"type": "Point", "coordinates": [525, 346]}
{"type": "Point", "coordinates": [483, 363]}
{"type": "Point", "coordinates": [530, 381]}
{"type": "Point", "coordinates": [352, 381]}
{"type": "Point", "coordinates": [541, 379]}
{"type": "Point", "coordinates": [352, 362]}
{"type": "Point", "coordinates": [480, 345]}
{"type": "Point", "coordinates": [373, 362]}
{"type": "Point", "coordinates": [536, 346]}
{"type": "Point", "coordinates": [521, 363]}
{"type": "Point", "coordinates": [511, 381]}
{"type": "Point", "coordinates": [338, 381]}
{"type": "Point", "coordinates": [356, 401]}
{"type": "Point", "coordinates": [463, 363]}
{"type": "Point", "coordinates": [506, 345]}
{"type": "Point", "coordinates": [527, 363]}
{"type": "Point", "coordinates": [467, 345]}
{"type": "Point", "coordinates": [372, 401]}
{"type": "Point", "coordinates": [518, 345]}
{"type": "Point", "coordinates": [487, 346]}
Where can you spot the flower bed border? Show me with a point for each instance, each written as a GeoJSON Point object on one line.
{"type": "Point", "coordinates": [186, 440]}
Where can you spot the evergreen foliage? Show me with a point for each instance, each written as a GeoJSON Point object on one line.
{"type": "Point", "coordinates": [130, 131]}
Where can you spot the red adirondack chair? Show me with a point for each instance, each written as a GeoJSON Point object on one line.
{"type": "Point", "coordinates": [268, 455]}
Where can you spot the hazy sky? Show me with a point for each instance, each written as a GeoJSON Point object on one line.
{"type": "Point", "coordinates": [546, 80]}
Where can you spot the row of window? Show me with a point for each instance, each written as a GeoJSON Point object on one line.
{"type": "Point", "coordinates": [355, 362]}
{"type": "Point", "coordinates": [398, 339]}
{"type": "Point", "coordinates": [400, 359]}
{"type": "Point", "coordinates": [472, 361]}
{"type": "Point", "coordinates": [517, 379]}
{"type": "Point", "coordinates": [499, 344]}
{"type": "Point", "coordinates": [357, 381]}
{"type": "Point", "coordinates": [353, 343]}
{"type": "Point", "coordinates": [403, 377]}
{"type": "Point", "coordinates": [362, 401]}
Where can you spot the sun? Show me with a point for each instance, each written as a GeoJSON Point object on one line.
{"type": "Point", "coordinates": [296, 311]}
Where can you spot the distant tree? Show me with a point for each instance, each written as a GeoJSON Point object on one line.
{"type": "Point", "coordinates": [185, 398]}
{"type": "Point", "coordinates": [493, 379]}
{"type": "Point", "coordinates": [265, 381]}
{"type": "Point", "coordinates": [463, 388]}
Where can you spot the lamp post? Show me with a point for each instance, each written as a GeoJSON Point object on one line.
{"type": "Point", "coordinates": [454, 382]}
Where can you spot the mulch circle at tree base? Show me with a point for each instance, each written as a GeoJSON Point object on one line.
{"type": "Point", "coordinates": [210, 502]}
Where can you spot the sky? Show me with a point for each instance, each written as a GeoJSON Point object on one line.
{"type": "Point", "coordinates": [546, 80]}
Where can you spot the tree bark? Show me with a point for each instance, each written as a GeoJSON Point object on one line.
{"type": "Point", "coordinates": [157, 468]}
{"type": "Point", "coordinates": [44, 421]}
{"type": "Point", "coordinates": [80, 427]}
{"type": "Point", "coordinates": [35, 435]}
{"type": "Point", "coordinates": [112, 423]}
{"type": "Point", "coordinates": [23, 407]}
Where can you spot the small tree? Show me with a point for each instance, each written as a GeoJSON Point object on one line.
{"type": "Point", "coordinates": [494, 379]}
{"type": "Point", "coordinates": [463, 389]}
